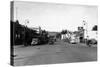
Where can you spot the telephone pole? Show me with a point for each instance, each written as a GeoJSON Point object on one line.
{"type": "Point", "coordinates": [85, 27]}
{"type": "Point", "coordinates": [26, 22]}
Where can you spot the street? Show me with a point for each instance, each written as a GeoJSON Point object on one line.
{"type": "Point", "coordinates": [60, 52]}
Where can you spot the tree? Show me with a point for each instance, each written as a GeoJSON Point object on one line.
{"type": "Point", "coordinates": [95, 28]}
{"type": "Point", "coordinates": [64, 32]}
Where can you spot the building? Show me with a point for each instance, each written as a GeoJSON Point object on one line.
{"type": "Point", "coordinates": [80, 34]}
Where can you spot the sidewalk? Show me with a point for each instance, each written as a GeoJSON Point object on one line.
{"type": "Point", "coordinates": [18, 46]}
{"type": "Point", "coordinates": [21, 51]}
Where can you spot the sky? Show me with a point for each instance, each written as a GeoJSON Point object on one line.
{"type": "Point", "coordinates": [54, 16]}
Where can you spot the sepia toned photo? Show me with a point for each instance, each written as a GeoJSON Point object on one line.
{"type": "Point", "coordinates": [53, 33]}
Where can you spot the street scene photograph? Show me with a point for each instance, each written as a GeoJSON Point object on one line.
{"type": "Point", "coordinates": [53, 33]}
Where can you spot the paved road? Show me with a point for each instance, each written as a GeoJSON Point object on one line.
{"type": "Point", "coordinates": [60, 52]}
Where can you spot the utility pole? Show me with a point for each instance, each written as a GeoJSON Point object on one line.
{"type": "Point", "coordinates": [26, 21]}
{"type": "Point", "coordinates": [85, 27]}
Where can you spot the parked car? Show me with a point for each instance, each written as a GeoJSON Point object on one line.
{"type": "Point", "coordinates": [52, 39]}
{"type": "Point", "coordinates": [91, 42]}
{"type": "Point", "coordinates": [92, 38]}
{"type": "Point", "coordinates": [73, 41]}
{"type": "Point", "coordinates": [40, 39]}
